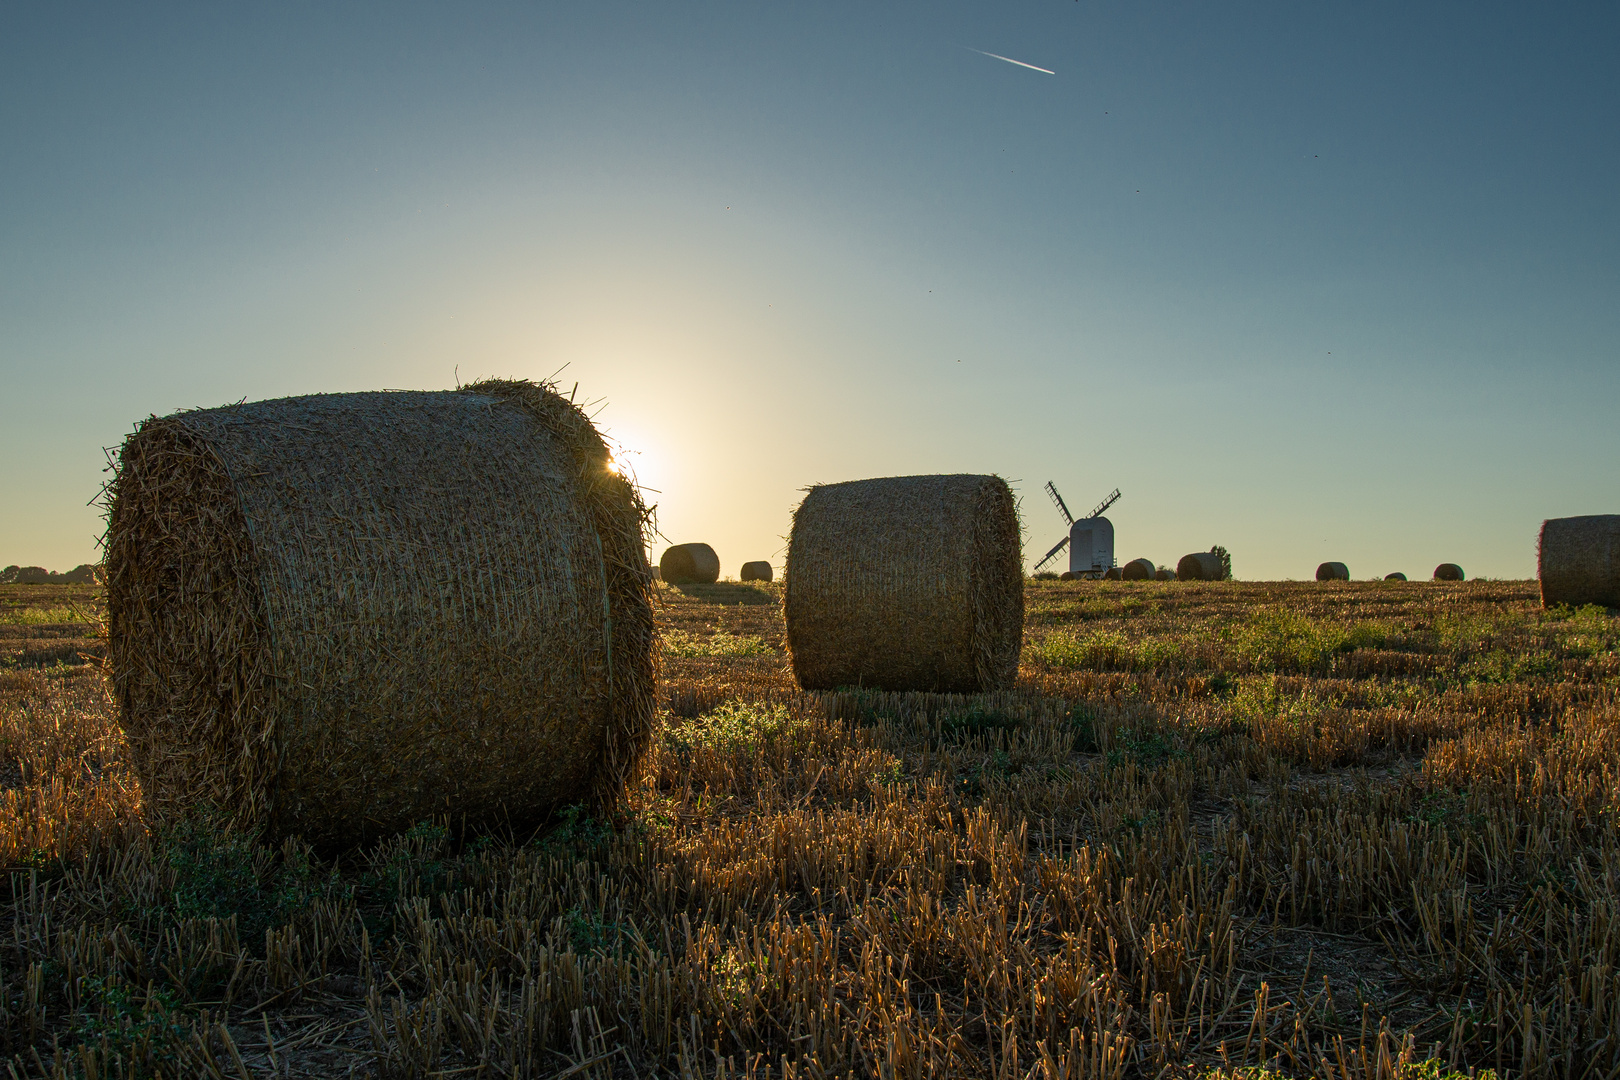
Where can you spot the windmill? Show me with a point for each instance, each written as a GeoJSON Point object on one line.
{"type": "Point", "coordinates": [1090, 540]}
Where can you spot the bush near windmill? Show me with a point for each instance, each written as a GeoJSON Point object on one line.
{"type": "Point", "coordinates": [84, 574]}
{"type": "Point", "coordinates": [395, 605]}
{"type": "Point", "coordinates": [906, 583]}
{"type": "Point", "coordinates": [1578, 560]}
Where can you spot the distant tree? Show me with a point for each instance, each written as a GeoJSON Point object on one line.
{"type": "Point", "coordinates": [1226, 561]}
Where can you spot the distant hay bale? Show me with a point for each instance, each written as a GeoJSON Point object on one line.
{"type": "Point", "coordinates": [1396, 576]}
{"type": "Point", "coordinates": [1069, 575]}
{"type": "Point", "coordinates": [690, 564]}
{"type": "Point", "coordinates": [1138, 570]}
{"type": "Point", "coordinates": [1578, 561]}
{"type": "Point", "coordinates": [1164, 573]}
{"type": "Point", "coordinates": [1200, 566]}
{"type": "Point", "coordinates": [1448, 571]}
{"type": "Point", "coordinates": [906, 583]}
{"type": "Point", "coordinates": [341, 614]}
{"type": "Point", "coordinates": [756, 571]}
{"type": "Point", "coordinates": [1113, 573]}
{"type": "Point", "coordinates": [1332, 571]}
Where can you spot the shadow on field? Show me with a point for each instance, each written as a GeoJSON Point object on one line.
{"type": "Point", "coordinates": [726, 592]}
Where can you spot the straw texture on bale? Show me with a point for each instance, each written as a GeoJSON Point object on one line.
{"type": "Point", "coordinates": [756, 571]}
{"type": "Point", "coordinates": [1448, 571]}
{"type": "Point", "coordinates": [341, 614]}
{"type": "Point", "coordinates": [1200, 566]}
{"type": "Point", "coordinates": [1578, 560]}
{"type": "Point", "coordinates": [1138, 570]}
{"type": "Point", "coordinates": [1396, 576]}
{"type": "Point", "coordinates": [1164, 573]}
{"type": "Point", "coordinates": [906, 583]}
{"type": "Point", "coordinates": [1332, 571]}
{"type": "Point", "coordinates": [690, 564]}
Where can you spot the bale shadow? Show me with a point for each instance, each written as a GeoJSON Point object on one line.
{"type": "Point", "coordinates": [726, 592]}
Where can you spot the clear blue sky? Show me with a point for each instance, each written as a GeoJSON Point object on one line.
{"type": "Point", "coordinates": [1311, 281]}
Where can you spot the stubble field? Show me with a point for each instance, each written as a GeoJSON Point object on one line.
{"type": "Point", "coordinates": [1348, 830]}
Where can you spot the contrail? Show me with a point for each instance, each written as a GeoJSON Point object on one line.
{"type": "Point", "coordinates": [1010, 60]}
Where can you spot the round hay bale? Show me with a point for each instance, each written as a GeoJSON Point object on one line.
{"type": "Point", "coordinates": [1113, 573]}
{"type": "Point", "coordinates": [756, 571]}
{"type": "Point", "coordinates": [1332, 571]}
{"type": "Point", "coordinates": [1578, 560]}
{"type": "Point", "coordinates": [1068, 575]}
{"type": "Point", "coordinates": [341, 614]}
{"type": "Point", "coordinates": [1448, 571]}
{"type": "Point", "coordinates": [1164, 573]}
{"type": "Point", "coordinates": [1396, 576]}
{"type": "Point", "coordinates": [690, 564]}
{"type": "Point", "coordinates": [906, 583]}
{"type": "Point", "coordinates": [1200, 566]}
{"type": "Point", "coordinates": [1138, 570]}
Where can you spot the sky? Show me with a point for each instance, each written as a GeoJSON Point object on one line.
{"type": "Point", "coordinates": [1309, 281]}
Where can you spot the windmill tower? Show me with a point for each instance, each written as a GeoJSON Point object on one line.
{"type": "Point", "coordinates": [1090, 540]}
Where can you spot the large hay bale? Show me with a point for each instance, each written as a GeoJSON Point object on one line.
{"type": "Point", "coordinates": [1332, 571]}
{"type": "Point", "coordinates": [1138, 570]}
{"type": "Point", "coordinates": [906, 583]}
{"type": "Point", "coordinates": [1396, 576]}
{"type": "Point", "coordinates": [756, 571]}
{"type": "Point", "coordinates": [1578, 560]}
{"type": "Point", "coordinates": [1448, 571]}
{"type": "Point", "coordinates": [1201, 566]}
{"type": "Point", "coordinates": [341, 614]}
{"type": "Point", "coordinates": [690, 564]}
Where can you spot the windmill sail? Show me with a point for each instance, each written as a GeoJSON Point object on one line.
{"type": "Point", "coordinates": [1050, 555]}
{"type": "Point", "coordinates": [1051, 489]}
